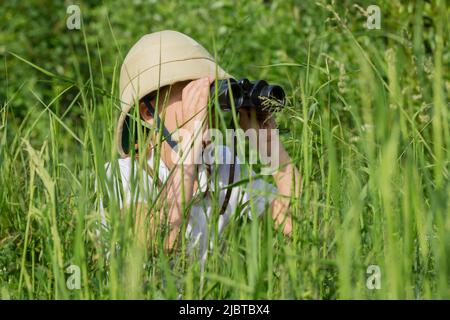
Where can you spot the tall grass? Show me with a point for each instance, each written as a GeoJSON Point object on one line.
{"type": "Point", "coordinates": [367, 124]}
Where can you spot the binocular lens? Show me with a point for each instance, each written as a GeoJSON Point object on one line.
{"type": "Point", "coordinates": [245, 93]}
{"type": "Point", "coordinates": [273, 93]}
{"type": "Point", "coordinates": [224, 95]}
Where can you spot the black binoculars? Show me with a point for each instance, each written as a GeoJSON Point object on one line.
{"type": "Point", "coordinates": [250, 94]}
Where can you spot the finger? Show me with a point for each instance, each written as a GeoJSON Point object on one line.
{"type": "Point", "coordinates": [243, 118]}
{"type": "Point", "coordinates": [188, 86]}
{"type": "Point", "coordinates": [189, 90]}
{"type": "Point", "coordinates": [204, 92]}
{"type": "Point", "coordinates": [194, 90]}
{"type": "Point", "coordinates": [211, 79]}
{"type": "Point", "coordinates": [253, 121]}
{"type": "Point", "coordinates": [186, 91]}
{"type": "Point", "coordinates": [263, 117]}
{"type": "Point", "coordinates": [201, 92]}
{"type": "Point", "coordinates": [188, 96]}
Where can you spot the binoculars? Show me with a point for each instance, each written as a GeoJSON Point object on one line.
{"type": "Point", "coordinates": [249, 94]}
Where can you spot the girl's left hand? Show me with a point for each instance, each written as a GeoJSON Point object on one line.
{"type": "Point", "coordinates": [250, 119]}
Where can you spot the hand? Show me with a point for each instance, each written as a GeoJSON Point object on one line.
{"type": "Point", "coordinates": [191, 121]}
{"type": "Point", "coordinates": [250, 119]}
{"type": "Point", "coordinates": [287, 177]}
{"type": "Point", "coordinates": [194, 100]}
{"type": "Point", "coordinates": [191, 124]}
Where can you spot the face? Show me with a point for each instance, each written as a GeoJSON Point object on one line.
{"type": "Point", "coordinates": [170, 110]}
{"type": "Point", "coordinates": [168, 103]}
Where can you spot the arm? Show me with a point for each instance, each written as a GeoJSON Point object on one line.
{"type": "Point", "coordinates": [171, 215]}
{"type": "Point", "coordinates": [180, 187]}
{"type": "Point", "coordinates": [287, 177]}
{"type": "Point", "coordinates": [288, 180]}
{"type": "Point", "coordinates": [179, 192]}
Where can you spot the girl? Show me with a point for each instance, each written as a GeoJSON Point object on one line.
{"type": "Point", "coordinates": [167, 76]}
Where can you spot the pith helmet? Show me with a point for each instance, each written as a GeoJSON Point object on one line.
{"type": "Point", "coordinates": [156, 60]}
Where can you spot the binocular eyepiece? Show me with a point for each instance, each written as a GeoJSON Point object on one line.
{"type": "Point", "coordinates": [250, 94]}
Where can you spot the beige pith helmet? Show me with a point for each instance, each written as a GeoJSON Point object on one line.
{"type": "Point", "coordinates": [156, 60]}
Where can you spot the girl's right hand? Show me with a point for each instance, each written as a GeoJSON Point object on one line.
{"type": "Point", "coordinates": [195, 100]}
{"type": "Point", "coordinates": [194, 110]}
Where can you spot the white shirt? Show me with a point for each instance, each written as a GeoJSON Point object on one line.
{"type": "Point", "coordinates": [255, 192]}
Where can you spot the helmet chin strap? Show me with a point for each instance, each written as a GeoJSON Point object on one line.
{"type": "Point", "coordinates": [167, 136]}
